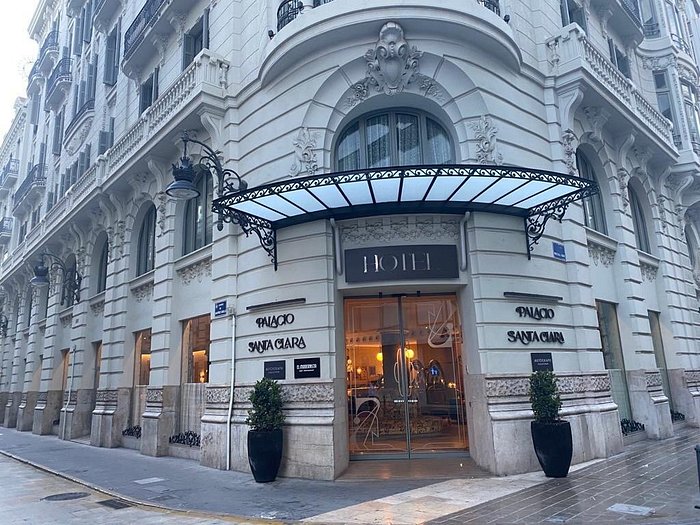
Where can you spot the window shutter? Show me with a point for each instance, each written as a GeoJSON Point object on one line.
{"type": "Point", "coordinates": [87, 22]}
{"type": "Point", "coordinates": [187, 50]}
{"type": "Point", "coordinates": [92, 77]}
{"type": "Point", "coordinates": [205, 29]}
{"type": "Point", "coordinates": [78, 36]}
{"type": "Point", "coordinates": [111, 132]}
{"type": "Point", "coordinates": [88, 152]}
{"type": "Point", "coordinates": [117, 50]}
{"type": "Point", "coordinates": [110, 50]}
{"type": "Point", "coordinates": [56, 144]}
{"type": "Point", "coordinates": [42, 154]}
{"type": "Point", "coordinates": [103, 142]}
{"type": "Point", "coordinates": [155, 83]}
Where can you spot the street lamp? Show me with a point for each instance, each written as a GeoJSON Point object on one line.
{"type": "Point", "coordinates": [71, 279]}
{"type": "Point", "coordinates": [183, 187]}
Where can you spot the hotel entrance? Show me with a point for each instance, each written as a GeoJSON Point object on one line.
{"type": "Point", "coordinates": [404, 380]}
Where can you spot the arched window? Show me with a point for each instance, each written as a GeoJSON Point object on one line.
{"type": "Point", "coordinates": [145, 256]}
{"type": "Point", "coordinates": [639, 223]}
{"type": "Point", "coordinates": [198, 217]}
{"type": "Point", "coordinates": [593, 213]}
{"type": "Point", "coordinates": [395, 138]}
{"type": "Point", "coordinates": [102, 268]}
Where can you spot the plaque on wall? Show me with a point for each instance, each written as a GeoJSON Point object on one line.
{"type": "Point", "coordinates": [309, 367]}
{"type": "Point", "coordinates": [275, 369]}
{"type": "Point", "coordinates": [393, 263]}
{"type": "Point", "coordinates": [541, 361]}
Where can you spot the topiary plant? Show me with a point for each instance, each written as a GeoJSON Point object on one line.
{"type": "Point", "coordinates": [544, 396]}
{"type": "Point", "coordinates": [266, 413]}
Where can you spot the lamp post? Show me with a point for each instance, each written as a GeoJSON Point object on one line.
{"type": "Point", "coordinates": [183, 187]}
{"type": "Point", "coordinates": [71, 279]}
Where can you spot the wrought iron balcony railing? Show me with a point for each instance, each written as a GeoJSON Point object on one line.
{"type": "Point", "coordinates": [33, 74]}
{"type": "Point", "coordinates": [11, 168]}
{"type": "Point", "coordinates": [61, 72]}
{"type": "Point", "coordinates": [681, 43]}
{"type": "Point", "coordinates": [50, 44]}
{"type": "Point", "coordinates": [290, 9]}
{"type": "Point", "coordinates": [136, 30]}
{"type": "Point", "coordinates": [632, 8]}
{"type": "Point", "coordinates": [89, 105]}
{"type": "Point", "coordinates": [651, 30]}
{"type": "Point", "coordinates": [6, 227]}
{"type": "Point", "coordinates": [36, 177]}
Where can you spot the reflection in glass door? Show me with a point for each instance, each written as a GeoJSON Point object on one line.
{"type": "Point", "coordinates": [404, 381]}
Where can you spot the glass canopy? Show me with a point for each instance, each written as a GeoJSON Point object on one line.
{"type": "Point", "coordinates": [535, 195]}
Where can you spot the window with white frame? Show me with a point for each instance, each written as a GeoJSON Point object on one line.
{"type": "Point", "coordinates": [149, 91]}
{"type": "Point", "coordinates": [196, 39]}
{"type": "Point", "coordinates": [593, 212]}
{"type": "Point", "coordinates": [572, 11]}
{"type": "Point", "coordinates": [145, 255]}
{"type": "Point", "coordinates": [197, 226]}
{"type": "Point", "coordinates": [639, 222]}
{"type": "Point", "coordinates": [394, 138]}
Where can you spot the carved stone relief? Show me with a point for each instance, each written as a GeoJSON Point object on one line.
{"type": "Point", "coordinates": [623, 179]}
{"type": "Point", "coordinates": [569, 141]}
{"type": "Point", "coordinates": [653, 379]}
{"type": "Point", "coordinates": [391, 67]}
{"type": "Point", "coordinates": [519, 386]}
{"type": "Point", "coordinates": [304, 154]}
{"type": "Point", "coordinates": [597, 118]}
{"type": "Point", "coordinates": [217, 395]}
{"type": "Point", "coordinates": [648, 271]}
{"type": "Point", "coordinates": [485, 134]}
{"type": "Point", "coordinates": [162, 199]}
{"type": "Point", "coordinates": [306, 393]}
{"type": "Point", "coordinates": [197, 271]}
{"type": "Point", "coordinates": [145, 291]}
{"type": "Point", "coordinates": [98, 308]}
{"type": "Point", "coordinates": [154, 395]}
{"type": "Point", "coordinates": [553, 55]}
{"type": "Point", "coordinates": [657, 63]}
{"type": "Point", "coordinates": [381, 230]}
{"type": "Point", "coordinates": [601, 255]}
{"type": "Point", "coordinates": [660, 202]}
{"type": "Point", "coordinates": [107, 396]}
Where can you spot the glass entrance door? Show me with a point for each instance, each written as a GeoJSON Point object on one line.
{"type": "Point", "coordinates": [404, 380]}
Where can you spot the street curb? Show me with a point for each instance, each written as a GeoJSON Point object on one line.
{"type": "Point", "coordinates": [191, 513]}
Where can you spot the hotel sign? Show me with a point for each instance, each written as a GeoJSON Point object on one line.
{"type": "Point", "coordinates": [394, 263]}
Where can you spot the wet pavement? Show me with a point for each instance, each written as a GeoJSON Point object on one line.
{"type": "Point", "coordinates": [650, 482]}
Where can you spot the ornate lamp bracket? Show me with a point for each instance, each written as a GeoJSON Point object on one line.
{"type": "Point", "coordinates": [535, 224]}
{"type": "Point", "coordinates": [267, 235]}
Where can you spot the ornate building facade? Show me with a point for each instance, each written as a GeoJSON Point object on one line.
{"type": "Point", "coordinates": [430, 200]}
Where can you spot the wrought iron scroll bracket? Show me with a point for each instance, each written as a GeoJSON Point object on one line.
{"type": "Point", "coordinates": [267, 235]}
{"type": "Point", "coordinates": [535, 225]}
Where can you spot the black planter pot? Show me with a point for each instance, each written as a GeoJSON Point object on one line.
{"type": "Point", "coordinates": [553, 446]}
{"type": "Point", "coordinates": [264, 454]}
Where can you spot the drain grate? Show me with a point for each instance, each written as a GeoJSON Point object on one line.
{"type": "Point", "coordinates": [66, 496]}
{"type": "Point", "coordinates": [114, 503]}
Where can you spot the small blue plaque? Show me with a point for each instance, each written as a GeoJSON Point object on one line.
{"type": "Point", "coordinates": [558, 251]}
{"type": "Point", "coordinates": [219, 308]}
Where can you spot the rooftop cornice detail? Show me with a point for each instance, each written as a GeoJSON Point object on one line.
{"type": "Point", "coordinates": [16, 129]}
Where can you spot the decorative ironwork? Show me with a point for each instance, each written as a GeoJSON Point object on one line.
{"type": "Point", "coordinates": [286, 203]}
{"type": "Point", "coordinates": [133, 431]}
{"type": "Point", "coordinates": [62, 72]}
{"type": "Point", "coordinates": [632, 9]}
{"type": "Point", "coordinates": [677, 416]}
{"type": "Point", "coordinates": [88, 105]}
{"type": "Point", "coordinates": [630, 425]}
{"type": "Point", "coordinates": [134, 35]}
{"type": "Point", "coordinates": [50, 44]}
{"type": "Point", "coordinates": [288, 11]}
{"type": "Point", "coordinates": [36, 177]}
{"type": "Point", "coordinates": [71, 279]}
{"type": "Point", "coordinates": [189, 438]}
{"type": "Point", "coordinates": [492, 5]}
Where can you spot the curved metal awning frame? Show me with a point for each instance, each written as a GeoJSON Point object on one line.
{"type": "Point", "coordinates": [534, 195]}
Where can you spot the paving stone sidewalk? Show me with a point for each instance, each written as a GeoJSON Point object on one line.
{"type": "Point", "coordinates": [651, 482]}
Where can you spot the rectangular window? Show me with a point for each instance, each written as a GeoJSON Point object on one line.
{"type": "Point", "coordinates": [195, 345]}
{"type": "Point", "coordinates": [619, 59]}
{"type": "Point", "coordinates": [57, 132]}
{"type": "Point", "coordinates": [111, 62]}
{"type": "Point", "coordinates": [572, 12]}
{"type": "Point", "coordinates": [195, 39]}
{"type": "Point", "coordinates": [149, 91]}
{"type": "Point", "coordinates": [86, 17]}
{"type": "Point", "coordinates": [143, 357]}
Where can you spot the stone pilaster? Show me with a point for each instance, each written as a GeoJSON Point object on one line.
{"type": "Point", "coordinates": [160, 419]}
{"type": "Point", "coordinates": [110, 417]}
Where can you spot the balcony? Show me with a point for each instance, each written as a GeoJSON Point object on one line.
{"type": "Point", "coordinates": [203, 82]}
{"type": "Point", "coordinates": [9, 175]}
{"type": "Point", "coordinates": [31, 187]}
{"type": "Point", "coordinates": [6, 230]}
{"type": "Point", "coordinates": [58, 84]}
{"type": "Point", "coordinates": [624, 18]}
{"type": "Point", "coordinates": [290, 9]}
{"type": "Point", "coordinates": [157, 17]}
{"type": "Point", "coordinates": [48, 54]}
{"type": "Point", "coordinates": [105, 11]}
{"type": "Point", "coordinates": [35, 80]}
{"type": "Point", "coordinates": [74, 6]}
{"type": "Point", "coordinates": [573, 60]}
{"type": "Point", "coordinates": [77, 130]}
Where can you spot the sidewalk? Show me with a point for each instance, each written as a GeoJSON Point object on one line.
{"type": "Point", "coordinates": [653, 474]}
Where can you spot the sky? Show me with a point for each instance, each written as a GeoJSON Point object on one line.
{"type": "Point", "coordinates": [17, 55]}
